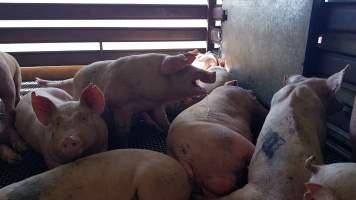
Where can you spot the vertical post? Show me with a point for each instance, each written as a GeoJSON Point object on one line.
{"type": "Point", "coordinates": [211, 6]}
{"type": "Point", "coordinates": [353, 130]}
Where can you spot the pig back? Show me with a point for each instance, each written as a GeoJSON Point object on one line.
{"type": "Point", "coordinates": [27, 124]}
{"type": "Point", "coordinates": [229, 106]}
{"type": "Point", "coordinates": [289, 135]}
{"type": "Point", "coordinates": [95, 73]}
{"type": "Point", "coordinates": [123, 174]}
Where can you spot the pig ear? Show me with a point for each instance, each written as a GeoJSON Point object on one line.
{"type": "Point", "coordinates": [334, 81]}
{"type": "Point", "coordinates": [293, 79]}
{"type": "Point", "coordinates": [43, 108]}
{"type": "Point", "coordinates": [232, 83]}
{"type": "Point", "coordinates": [317, 192]}
{"type": "Point", "coordinates": [93, 98]}
{"type": "Point", "coordinates": [173, 64]}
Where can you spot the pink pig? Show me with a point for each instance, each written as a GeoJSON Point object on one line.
{"type": "Point", "coordinates": [294, 129]}
{"type": "Point", "coordinates": [212, 138]}
{"type": "Point", "coordinates": [10, 76]}
{"type": "Point", "coordinates": [60, 128]}
{"type": "Point", "coordinates": [330, 182]}
{"type": "Point", "coordinates": [139, 83]}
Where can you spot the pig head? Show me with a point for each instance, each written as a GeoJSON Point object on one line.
{"type": "Point", "coordinates": [205, 61]}
{"type": "Point", "coordinates": [330, 182]}
{"type": "Point", "coordinates": [222, 76]}
{"type": "Point", "coordinates": [293, 130]}
{"type": "Point", "coordinates": [60, 128]}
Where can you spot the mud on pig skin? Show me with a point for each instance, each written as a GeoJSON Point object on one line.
{"type": "Point", "coordinates": [330, 182]}
{"type": "Point", "coordinates": [293, 130]}
{"type": "Point", "coordinates": [60, 128]}
{"type": "Point", "coordinates": [120, 174]}
{"type": "Point", "coordinates": [212, 138]}
{"type": "Point", "coordinates": [141, 83]}
{"type": "Point", "coordinates": [10, 76]}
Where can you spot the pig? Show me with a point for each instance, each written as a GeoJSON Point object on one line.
{"type": "Point", "coordinates": [60, 128]}
{"type": "Point", "coordinates": [212, 139]}
{"type": "Point", "coordinates": [353, 131]}
{"type": "Point", "coordinates": [222, 76]}
{"type": "Point", "coordinates": [10, 76]}
{"type": "Point", "coordinates": [141, 83]}
{"type": "Point", "coordinates": [205, 61]}
{"type": "Point", "coordinates": [293, 130]}
{"type": "Point", "coordinates": [123, 174]}
{"type": "Point", "coordinates": [331, 182]}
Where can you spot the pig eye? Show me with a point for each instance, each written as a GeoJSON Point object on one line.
{"type": "Point", "coordinates": [83, 118]}
{"type": "Point", "coordinates": [57, 123]}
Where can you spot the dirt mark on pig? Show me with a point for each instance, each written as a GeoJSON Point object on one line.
{"type": "Point", "coordinates": [272, 143]}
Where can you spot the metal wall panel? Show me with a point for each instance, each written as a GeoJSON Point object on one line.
{"type": "Point", "coordinates": [264, 41]}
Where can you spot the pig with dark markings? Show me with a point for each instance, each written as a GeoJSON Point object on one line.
{"type": "Point", "coordinates": [127, 174]}
{"type": "Point", "coordinates": [10, 76]}
{"type": "Point", "coordinates": [60, 128]}
{"type": "Point", "coordinates": [293, 130]}
{"type": "Point", "coordinates": [140, 83]}
{"type": "Point", "coordinates": [212, 139]}
{"type": "Point", "coordinates": [331, 182]}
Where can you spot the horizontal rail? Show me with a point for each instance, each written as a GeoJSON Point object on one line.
{"type": "Point", "coordinates": [28, 59]}
{"type": "Point", "coordinates": [34, 11]}
{"type": "Point", "coordinates": [44, 35]}
{"type": "Point", "coordinates": [49, 72]}
{"type": "Point", "coordinates": [340, 17]}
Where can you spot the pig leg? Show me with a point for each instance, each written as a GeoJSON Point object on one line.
{"type": "Point", "coordinates": [8, 155]}
{"type": "Point", "coordinates": [14, 139]}
{"type": "Point", "coordinates": [149, 121]}
{"type": "Point", "coordinates": [9, 98]}
{"type": "Point", "coordinates": [122, 120]}
{"type": "Point", "coordinates": [159, 115]}
{"type": "Point", "coordinates": [66, 85]}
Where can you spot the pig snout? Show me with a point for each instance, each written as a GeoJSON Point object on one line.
{"type": "Point", "coordinates": [207, 77]}
{"type": "Point", "coordinates": [71, 146]}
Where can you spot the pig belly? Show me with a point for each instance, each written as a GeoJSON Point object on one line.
{"type": "Point", "coordinates": [214, 155]}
